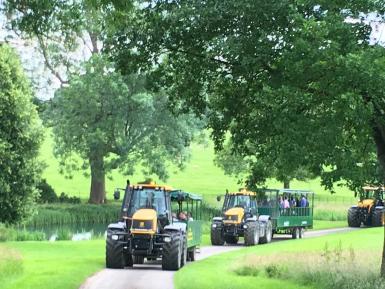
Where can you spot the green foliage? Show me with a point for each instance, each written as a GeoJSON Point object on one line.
{"type": "Point", "coordinates": [247, 271]}
{"type": "Point", "coordinates": [46, 192]}
{"type": "Point", "coordinates": [12, 234]}
{"type": "Point", "coordinates": [20, 136]}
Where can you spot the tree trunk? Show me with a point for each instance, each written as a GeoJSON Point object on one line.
{"type": "Point", "coordinates": [379, 139]}
{"type": "Point", "coordinates": [98, 184]}
{"type": "Point", "coordinates": [286, 184]}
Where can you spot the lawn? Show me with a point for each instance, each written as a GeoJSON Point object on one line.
{"type": "Point", "coordinates": [228, 265]}
{"type": "Point", "coordinates": [200, 176]}
{"type": "Point", "coordinates": [59, 265]}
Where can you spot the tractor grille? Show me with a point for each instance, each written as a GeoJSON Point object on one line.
{"type": "Point", "coordinates": [232, 218]}
{"type": "Point", "coordinates": [141, 243]}
{"type": "Point", "coordinates": [142, 225]}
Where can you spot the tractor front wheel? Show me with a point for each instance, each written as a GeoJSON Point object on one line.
{"type": "Point", "coordinates": [251, 234]}
{"type": "Point", "coordinates": [172, 253]}
{"type": "Point", "coordinates": [115, 256]}
{"type": "Point", "coordinates": [216, 235]}
{"type": "Point", "coordinates": [354, 217]}
{"type": "Point", "coordinates": [378, 218]}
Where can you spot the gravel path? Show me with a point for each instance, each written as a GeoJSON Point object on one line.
{"type": "Point", "coordinates": [151, 276]}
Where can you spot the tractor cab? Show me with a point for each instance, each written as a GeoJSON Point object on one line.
{"type": "Point", "coordinates": [239, 205]}
{"type": "Point", "coordinates": [371, 196]}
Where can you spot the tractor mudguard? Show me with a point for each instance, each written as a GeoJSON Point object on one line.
{"type": "Point", "coordinates": [118, 226]}
{"type": "Point", "coordinates": [252, 219]}
{"type": "Point", "coordinates": [177, 226]}
{"type": "Point", "coordinates": [379, 207]}
{"type": "Point", "coordinates": [218, 219]}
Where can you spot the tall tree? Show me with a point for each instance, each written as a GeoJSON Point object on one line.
{"type": "Point", "coordinates": [112, 122]}
{"type": "Point", "coordinates": [290, 80]}
{"type": "Point", "coordinates": [20, 136]}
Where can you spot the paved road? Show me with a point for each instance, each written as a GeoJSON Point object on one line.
{"type": "Point", "coordinates": [150, 275]}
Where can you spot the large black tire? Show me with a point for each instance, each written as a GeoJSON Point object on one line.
{"type": "Point", "coordinates": [115, 256]}
{"type": "Point", "coordinates": [268, 233]}
{"type": "Point", "coordinates": [354, 217]}
{"type": "Point", "coordinates": [184, 252]}
{"type": "Point", "coordinates": [251, 234]}
{"type": "Point", "coordinates": [378, 218]}
{"type": "Point", "coordinates": [217, 236]}
{"type": "Point", "coordinates": [301, 233]}
{"type": "Point", "coordinates": [191, 254]}
{"type": "Point", "coordinates": [231, 240]}
{"type": "Point", "coordinates": [172, 253]}
{"type": "Point", "coordinates": [138, 259]}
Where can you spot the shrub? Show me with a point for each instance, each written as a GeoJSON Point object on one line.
{"type": "Point", "coordinates": [274, 271]}
{"type": "Point", "coordinates": [247, 271]}
{"type": "Point", "coordinates": [47, 193]}
{"type": "Point", "coordinates": [64, 198]}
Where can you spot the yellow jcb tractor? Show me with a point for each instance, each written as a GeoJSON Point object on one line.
{"type": "Point", "coordinates": [240, 219]}
{"type": "Point", "coordinates": [370, 208]}
{"type": "Point", "coordinates": [148, 230]}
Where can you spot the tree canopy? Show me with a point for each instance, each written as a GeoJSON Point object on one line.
{"type": "Point", "coordinates": [111, 122]}
{"type": "Point", "coordinates": [20, 136]}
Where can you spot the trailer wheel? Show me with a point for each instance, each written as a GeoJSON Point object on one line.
{"type": "Point", "coordinates": [353, 217]}
{"type": "Point", "coordinates": [138, 260]}
{"type": "Point", "coordinates": [115, 256]}
{"type": "Point", "coordinates": [231, 240]}
{"type": "Point", "coordinates": [295, 233]}
{"type": "Point", "coordinates": [252, 234]}
{"type": "Point", "coordinates": [216, 236]}
{"type": "Point", "coordinates": [378, 218]}
{"type": "Point", "coordinates": [184, 252]}
{"type": "Point", "coordinates": [268, 233]}
{"type": "Point", "coordinates": [172, 253]}
{"type": "Point", "coordinates": [191, 255]}
{"type": "Point", "coordinates": [301, 233]}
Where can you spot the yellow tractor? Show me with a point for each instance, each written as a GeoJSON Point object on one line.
{"type": "Point", "coordinates": [149, 230]}
{"type": "Point", "coordinates": [370, 208]}
{"type": "Point", "coordinates": [241, 219]}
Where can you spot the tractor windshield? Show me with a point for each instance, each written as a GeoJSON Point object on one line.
{"type": "Point", "coordinates": [243, 201]}
{"type": "Point", "coordinates": [147, 199]}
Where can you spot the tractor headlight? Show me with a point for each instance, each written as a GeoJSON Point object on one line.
{"type": "Point", "coordinates": [115, 237]}
{"type": "Point", "coordinates": [214, 225]}
{"type": "Point", "coordinates": [167, 239]}
{"type": "Point", "coordinates": [244, 226]}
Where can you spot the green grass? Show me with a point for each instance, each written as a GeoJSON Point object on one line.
{"type": "Point", "coordinates": [200, 176]}
{"type": "Point", "coordinates": [59, 265]}
{"type": "Point", "coordinates": [229, 264]}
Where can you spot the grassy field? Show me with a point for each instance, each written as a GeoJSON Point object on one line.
{"type": "Point", "coordinates": [200, 176]}
{"type": "Point", "coordinates": [59, 265]}
{"type": "Point", "coordinates": [261, 266]}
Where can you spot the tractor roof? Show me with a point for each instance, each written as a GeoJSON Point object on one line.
{"type": "Point", "coordinates": [152, 185]}
{"type": "Point", "coordinates": [243, 192]}
{"type": "Point", "coordinates": [178, 195]}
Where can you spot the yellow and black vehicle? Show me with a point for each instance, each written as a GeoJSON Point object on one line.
{"type": "Point", "coordinates": [370, 208]}
{"type": "Point", "coordinates": [149, 229]}
{"type": "Point", "coordinates": [240, 218]}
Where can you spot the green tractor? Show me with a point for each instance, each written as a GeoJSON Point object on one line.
{"type": "Point", "coordinates": [370, 208]}
{"type": "Point", "coordinates": [149, 230]}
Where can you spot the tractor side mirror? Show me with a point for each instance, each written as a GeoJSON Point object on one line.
{"type": "Point", "coordinates": [355, 194]}
{"type": "Point", "coordinates": [116, 195]}
{"type": "Point", "coordinates": [219, 198]}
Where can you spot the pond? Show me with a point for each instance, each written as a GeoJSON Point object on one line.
{"type": "Point", "coordinates": [74, 232]}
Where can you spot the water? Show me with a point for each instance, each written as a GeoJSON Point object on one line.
{"type": "Point", "coordinates": [72, 232]}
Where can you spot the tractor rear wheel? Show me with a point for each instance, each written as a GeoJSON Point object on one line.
{"type": "Point", "coordinates": [251, 234]}
{"type": "Point", "coordinates": [231, 240]}
{"type": "Point", "coordinates": [378, 218]}
{"type": "Point", "coordinates": [217, 236]}
{"type": "Point", "coordinates": [354, 217]}
{"type": "Point", "coordinates": [172, 253]}
{"type": "Point", "coordinates": [115, 256]}
{"type": "Point", "coordinates": [268, 233]}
